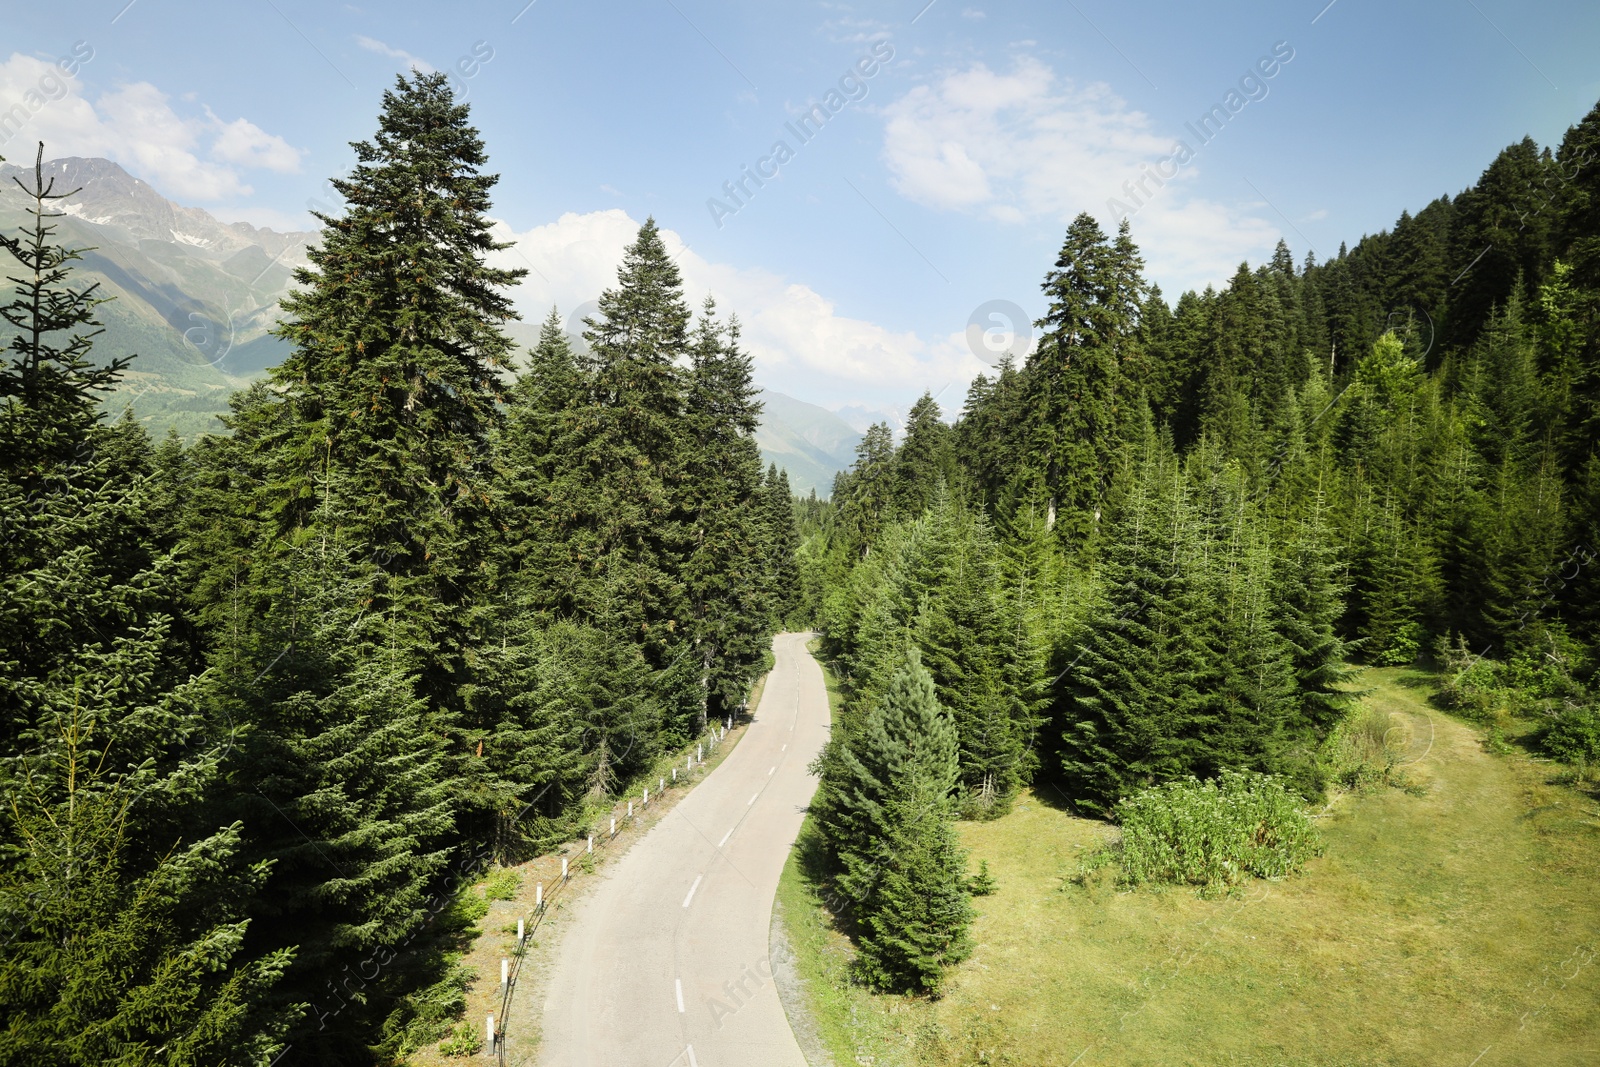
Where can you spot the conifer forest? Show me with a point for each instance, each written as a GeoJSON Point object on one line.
{"type": "Point", "coordinates": [427, 603]}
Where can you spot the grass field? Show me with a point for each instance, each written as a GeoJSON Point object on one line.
{"type": "Point", "coordinates": [1454, 923]}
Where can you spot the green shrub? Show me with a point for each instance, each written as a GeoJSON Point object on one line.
{"type": "Point", "coordinates": [502, 885]}
{"type": "Point", "coordinates": [1364, 748]}
{"type": "Point", "coordinates": [464, 1040]}
{"type": "Point", "coordinates": [1540, 675]}
{"type": "Point", "coordinates": [1405, 646]}
{"type": "Point", "coordinates": [1574, 736]}
{"type": "Point", "coordinates": [1213, 834]}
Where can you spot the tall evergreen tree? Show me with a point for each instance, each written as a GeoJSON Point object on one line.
{"type": "Point", "coordinates": [616, 498]}
{"type": "Point", "coordinates": [393, 377]}
{"type": "Point", "coordinates": [726, 569]}
{"type": "Point", "coordinates": [1074, 378]}
{"type": "Point", "coordinates": [123, 903]}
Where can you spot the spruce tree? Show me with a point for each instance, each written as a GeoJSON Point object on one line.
{"type": "Point", "coordinates": [1133, 703]}
{"type": "Point", "coordinates": [726, 566]}
{"type": "Point", "coordinates": [901, 743]}
{"type": "Point", "coordinates": [1074, 378]}
{"type": "Point", "coordinates": [49, 389]}
{"type": "Point", "coordinates": [917, 925]}
{"type": "Point", "coordinates": [923, 461]}
{"type": "Point", "coordinates": [615, 496]}
{"type": "Point", "coordinates": [124, 901]}
{"type": "Point", "coordinates": [393, 378]}
{"type": "Point", "coordinates": [965, 631]}
{"type": "Point", "coordinates": [1308, 598]}
{"type": "Point", "coordinates": [782, 546]}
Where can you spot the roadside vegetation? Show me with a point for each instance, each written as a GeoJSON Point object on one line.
{"type": "Point", "coordinates": [1449, 915]}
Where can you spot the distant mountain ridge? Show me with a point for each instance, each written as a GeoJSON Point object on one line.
{"type": "Point", "coordinates": [810, 442]}
{"type": "Point", "coordinates": [195, 298]}
{"type": "Point", "coordinates": [112, 198]}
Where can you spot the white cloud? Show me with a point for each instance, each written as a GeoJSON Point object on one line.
{"type": "Point", "coordinates": [243, 142]}
{"type": "Point", "coordinates": [801, 344]}
{"type": "Point", "coordinates": [196, 157]}
{"type": "Point", "coordinates": [372, 44]}
{"type": "Point", "coordinates": [1025, 146]}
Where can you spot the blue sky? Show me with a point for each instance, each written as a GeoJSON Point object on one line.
{"type": "Point", "coordinates": [943, 180]}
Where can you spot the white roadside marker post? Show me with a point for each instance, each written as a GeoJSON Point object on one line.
{"type": "Point", "coordinates": [538, 897]}
{"type": "Point", "coordinates": [505, 973]}
{"type": "Point", "coordinates": [488, 1030]}
{"type": "Point", "coordinates": [520, 935]}
{"type": "Point", "coordinates": [563, 868]}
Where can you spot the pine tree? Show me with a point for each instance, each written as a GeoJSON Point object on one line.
{"type": "Point", "coordinates": [904, 740]}
{"type": "Point", "coordinates": [1074, 378]}
{"type": "Point", "coordinates": [918, 923]}
{"type": "Point", "coordinates": [393, 377]}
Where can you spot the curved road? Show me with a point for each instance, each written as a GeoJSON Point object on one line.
{"type": "Point", "coordinates": [664, 963]}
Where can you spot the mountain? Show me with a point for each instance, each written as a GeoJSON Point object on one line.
{"type": "Point", "coordinates": [811, 443]}
{"type": "Point", "coordinates": [194, 298]}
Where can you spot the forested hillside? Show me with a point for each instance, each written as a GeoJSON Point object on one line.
{"type": "Point", "coordinates": [273, 698]}
{"type": "Point", "coordinates": [270, 702]}
{"type": "Point", "coordinates": [1156, 547]}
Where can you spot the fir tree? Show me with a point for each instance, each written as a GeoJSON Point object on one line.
{"type": "Point", "coordinates": [393, 378]}
{"type": "Point", "coordinates": [726, 571]}
{"type": "Point", "coordinates": [917, 924]}
{"type": "Point", "coordinates": [615, 495]}
{"type": "Point", "coordinates": [903, 743]}
{"type": "Point", "coordinates": [1074, 378]}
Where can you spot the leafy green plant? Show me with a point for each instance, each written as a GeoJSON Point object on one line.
{"type": "Point", "coordinates": [1213, 834]}
{"type": "Point", "coordinates": [464, 1040]}
{"type": "Point", "coordinates": [470, 907]}
{"type": "Point", "coordinates": [502, 885]}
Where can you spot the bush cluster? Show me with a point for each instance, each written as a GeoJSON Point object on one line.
{"type": "Point", "coordinates": [1214, 833]}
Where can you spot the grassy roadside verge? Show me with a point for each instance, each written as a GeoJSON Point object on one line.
{"type": "Point", "coordinates": [1454, 921]}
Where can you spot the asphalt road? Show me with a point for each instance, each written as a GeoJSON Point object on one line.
{"type": "Point", "coordinates": [664, 963]}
